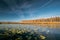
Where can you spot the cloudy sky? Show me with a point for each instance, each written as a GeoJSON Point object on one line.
{"type": "Point", "coordinates": [16, 10]}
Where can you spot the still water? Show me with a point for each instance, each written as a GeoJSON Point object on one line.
{"type": "Point", "coordinates": [28, 32]}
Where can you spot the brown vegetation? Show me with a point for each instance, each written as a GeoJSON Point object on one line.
{"type": "Point", "coordinates": [45, 21]}
{"type": "Point", "coordinates": [55, 20]}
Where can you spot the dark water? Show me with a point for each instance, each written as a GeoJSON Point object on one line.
{"type": "Point", "coordinates": [28, 32]}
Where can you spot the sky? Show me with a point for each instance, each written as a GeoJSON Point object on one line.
{"type": "Point", "coordinates": [17, 10]}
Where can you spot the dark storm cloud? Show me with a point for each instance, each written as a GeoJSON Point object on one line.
{"type": "Point", "coordinates": [20, 4]}
{"type": "Point", "coordinates": [25, 9]}
{"type": "Point", "coordinates": [20, 7]}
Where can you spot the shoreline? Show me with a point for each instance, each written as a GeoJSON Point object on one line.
{"type": "Point", "coordinates": [30, 23]}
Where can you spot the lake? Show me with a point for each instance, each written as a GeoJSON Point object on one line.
{"type": "Point", "coordinates": [28, 32]}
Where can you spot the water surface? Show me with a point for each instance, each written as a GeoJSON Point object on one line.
{"type": "Point", "coordinates": [28, 32]}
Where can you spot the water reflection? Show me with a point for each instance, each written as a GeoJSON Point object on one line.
{"type": "Point", "coordinates": [46, 25]}
{"type": "Point", "coordinates": [29, 32]}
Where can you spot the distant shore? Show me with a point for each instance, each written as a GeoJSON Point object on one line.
{"type": "Point", "coordinates": [30, 23]}
{"type": "Point", "coordinates": [54, 20]}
